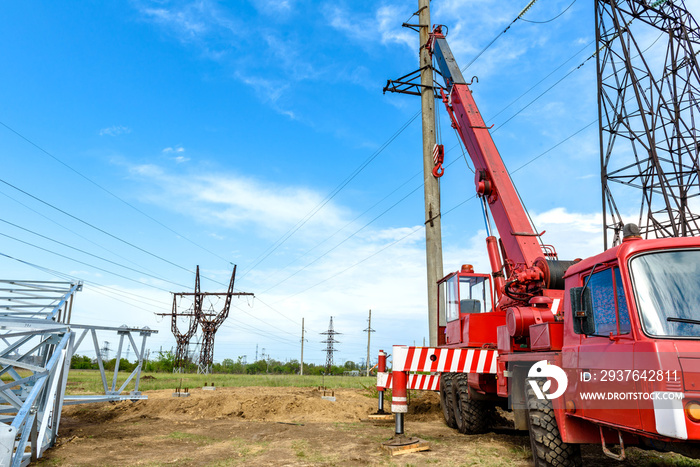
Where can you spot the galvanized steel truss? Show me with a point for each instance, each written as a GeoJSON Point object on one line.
{"type": "Point", "coordinates": [37, 344]}
{"type": "Point", "coordinates": [648, 90]}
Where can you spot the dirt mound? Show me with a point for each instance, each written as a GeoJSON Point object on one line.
{"type": "Point", "coordinates": [424, 406]}
{"type": "Point", "coordinates": [253, 403]}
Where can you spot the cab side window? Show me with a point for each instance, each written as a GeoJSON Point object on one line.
{"type": "Point", "coordinates": [452, 292]}
{"type": "Point", "coordinates": [609, 303]}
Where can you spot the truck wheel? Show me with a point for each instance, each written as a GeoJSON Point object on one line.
{"type": "Point", "coordinates": [446, 399]}
{"type": "Point", "coordinates": [472, 417]}
{"type": "Point", "coordinates": [548, 449]}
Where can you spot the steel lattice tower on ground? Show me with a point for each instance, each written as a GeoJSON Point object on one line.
{"type": "Point", "coordinates": [648, 90]}
{"type": "Point", "coordinates": [330, 340]}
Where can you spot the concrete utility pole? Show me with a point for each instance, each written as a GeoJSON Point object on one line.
{"type": "Point", "coordinates": [301, 372]}
{"type": "Point", "coordinates": [369, 333]}
{"type": "Point", "coordinates": [433, 235]}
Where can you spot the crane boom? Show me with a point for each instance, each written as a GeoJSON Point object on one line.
{"type": "Point", "coordinates": [529, 266]}
{"type": "Point", "coordinates": [492, 179]}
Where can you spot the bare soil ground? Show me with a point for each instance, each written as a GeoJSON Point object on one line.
{"type": "Point", "coordinates": [265, 426]}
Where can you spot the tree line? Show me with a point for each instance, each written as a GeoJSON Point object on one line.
{"type": "Point", "coordinates": [164, 363]}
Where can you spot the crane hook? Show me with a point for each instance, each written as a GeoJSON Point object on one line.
{"type": "Point", "coordinates": [438, 159]}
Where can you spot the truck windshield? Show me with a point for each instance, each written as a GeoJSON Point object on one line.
{"type": "Point", "coordinates": [667, 289]}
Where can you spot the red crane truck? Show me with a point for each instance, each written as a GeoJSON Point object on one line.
{"type": "Point", "coordinates": [601, 350]}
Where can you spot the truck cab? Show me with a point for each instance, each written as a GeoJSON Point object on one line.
{"type": "Point", "coordinates": [631, 344]}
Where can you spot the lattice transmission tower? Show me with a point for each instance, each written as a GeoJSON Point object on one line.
{"type": "Point", "coordinates": [648, 90]}
{"type": "Point", "coordinates": [183, 338]}
{"type": "Point", "coordinates": [330, 340]}
{"type": "Point", "coordinates": [211, 321]}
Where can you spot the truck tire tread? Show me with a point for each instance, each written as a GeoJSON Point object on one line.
{"type": "Point", "coordinates": [446, 399]}
{"type": "Point", "coordinates": [472, 417]}
{"type": "Point", "coordinates": [548, 449]}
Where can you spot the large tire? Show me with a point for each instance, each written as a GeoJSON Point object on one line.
{"type": "Point", "coordinates": [472, 417]}
{"type": "Point", "coordinates": [446, 399]}
{"type": "Point", "coordinates": [548, 449]}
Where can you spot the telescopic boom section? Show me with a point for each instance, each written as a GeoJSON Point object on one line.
{"type": "Point", "coordinates": [527, 268]}
{"type": "Point", "coordinates": [492, 179]}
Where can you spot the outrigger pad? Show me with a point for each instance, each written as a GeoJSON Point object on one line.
{"type": "Point", "coordinates": [404, 445]}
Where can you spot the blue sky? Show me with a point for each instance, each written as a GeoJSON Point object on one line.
{"type": "Point", "coordinates": [208, 132]}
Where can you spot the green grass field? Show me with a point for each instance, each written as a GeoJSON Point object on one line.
{"type": "Point", "coordinates": [89, 381]}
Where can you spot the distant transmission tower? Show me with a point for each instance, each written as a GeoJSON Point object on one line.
{"type": "Point", "coordinates": [211, 321]}
{"type": "Point", "coordinates": [648, 90]}
{"type": "Point", "coordinates": [105, 350]}
{"type": "Point", "coordinates": [330, 340]}
{"type": "Point", "coordinates": [182, 339]}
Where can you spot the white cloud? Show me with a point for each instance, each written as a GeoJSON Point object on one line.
{"type": "Point", "coordinates": [178, 154]}
{"type": "Point", "coordinates": [574, 235]}
{"type": "Point", "coordinates": [269, 91]}
{"type": "Point", "coordinates": [191, 21]}
{"type": "Point", "coordinates": [391, 283]}
{"type": "Point", "coordinates": [176, 149]}
{"type": "Point", "coordinates": [238, 202]}
{"type": "Point", "coordinates": [115, 130]}
{"type": "Point", "coordinates": [365, 29]}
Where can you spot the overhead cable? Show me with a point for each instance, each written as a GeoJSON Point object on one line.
{"type": "Point", "coordinates": [109, 192]}
{"type": "Point", "coordinates": [102, 230]}
{"type": "Point", "coordinates": [330, 196]}
{"type": "Point", "coordinates": [91, 254]}
{"type": "Point", "coordinates": [552, 19]}
{"type": "Point", "coordinates": [520, 15]}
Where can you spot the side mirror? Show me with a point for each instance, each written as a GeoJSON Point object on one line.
{"type": "Point", "coordinates": [582, 311]}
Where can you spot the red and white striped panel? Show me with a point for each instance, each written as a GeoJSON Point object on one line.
{"type": "Point", "coordinates": [383, 380]}
{"type": "Point", "coordinates": [420, 382]}
{"type": "Point", "coordinates": [424, 382]}
{"type": "Point", "coordinates": [431, 359]}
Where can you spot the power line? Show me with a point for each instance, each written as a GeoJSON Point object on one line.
{"type": "Point", "coordinates": [101, 286]}
{"type": "Point", "coordinates": [108, 191]}
{"type": "Point", "coordinates": [552, 19]}
{"type": "Point", "coordinates": [330, 196]}
{"type": "Point", "coordinates": [68, 229]}
{"type": "Point", "coordinates": [417, 229]}
{"type": "Point", "coordinates": [542, 80]}
{"type": "Point", "coordinates": [524, 10]}
{"type": "Point", "coordinates": [90, 254]}
{"type": "Point", "coordinates": [346, 238]}
{"type": "Point", "coordinates": [316, 245]}
{"type": "Point", "coordinates": [101, 230]}
{"type": "Point", "coordinates": [81, 262]}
